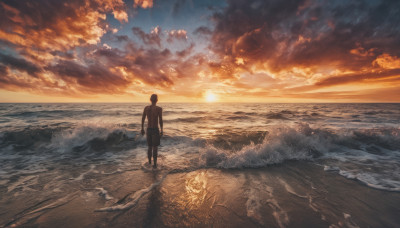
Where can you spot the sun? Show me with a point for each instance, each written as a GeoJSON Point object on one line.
{"type": "Point", "coordinates": [210, 97]}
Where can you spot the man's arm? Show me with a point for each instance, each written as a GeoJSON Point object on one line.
{"type": "Point", "coordinates": [143, 119]}
{"type": "Point", "coordinates": [160, 120]}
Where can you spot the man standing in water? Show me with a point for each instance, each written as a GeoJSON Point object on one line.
{"type": "Point", "coordinates": [153, 134]}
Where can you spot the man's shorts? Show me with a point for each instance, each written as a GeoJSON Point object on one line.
{"type": "Point", "coordinates": [153, 136]}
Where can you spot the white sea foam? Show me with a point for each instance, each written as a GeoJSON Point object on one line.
{"type": "Point", "coordinates": [369, 156]}
{"type": "Point", "coordinates": [331, 168]}
{"type": "Point", "coordinates": [349, 222]}
{"type": "Point", "coordinates": [281, 144]}
{"type": "Point", "coordinates": [253, 204]}
{"type": "Point", "coordinates": [82, 175]}
{"type": "Point", "coordinates": [280, 215]}
{"type": "Point", "coordinates": [376, 171]}
{"type": "Point", "coordinates": [373, 180]}
{"type": "Point", "coordinates": [104, 193]}
{"type": "Point", "coordinates": [83, 133]}
{"type": "Point", "coordinates": [290, 189]}
{"type": "Point", "coordinates": [260, 194]}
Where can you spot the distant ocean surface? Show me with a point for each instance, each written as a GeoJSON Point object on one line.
{"type": "Point", "coordinates": [50, 153]}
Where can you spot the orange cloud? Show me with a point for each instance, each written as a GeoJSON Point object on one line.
{"type": "Point", "coordinates": [180, 34]}
{"type": "Point", "coordinates": [59, 26]}
{"type": "Point", "coordinates": [360, 51]}
{"type": "Point", "coordinates": [117, 7]}
{"type": "Point", "coordinates": [357, 77]}
{"type": "Point", "coordinates": [387, 61]}
{"type": "Point", "coordinates": [143, 3]}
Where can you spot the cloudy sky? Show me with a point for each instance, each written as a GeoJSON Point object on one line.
{"type": "Point", "coordinates": [238, 50]}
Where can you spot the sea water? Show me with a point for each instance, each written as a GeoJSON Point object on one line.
{"type": "Point", "coordinates": [247, 153]}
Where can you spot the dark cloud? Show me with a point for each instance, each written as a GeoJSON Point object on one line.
{"type": "Point", "coordinates": [114, 55]}
{"type": "Point", "coordinates": [355, 77]}
{"type": "Point", "coordinates": [3, 70]}
{"type": "Point", "coordinates": [154, 37]}
{"type": "Point", "coordinates": [284, 34]}
{"type": "Point", "coordinates": [151, 66]}
{"type": "Point", "coordinates": [95, 77]}
{"type": "Point", "coordinates": [65, 55]}
{"type": "Point", "coordinates": [202, 30]}
{"type": "Point", "coordinates": [13, 84]}
{"type": "Point", "coordinates": [20, 64]}
{"type": "Point", "coordinates": [122, 38]}
{"type": "Point", "coordinates": [68, 69]}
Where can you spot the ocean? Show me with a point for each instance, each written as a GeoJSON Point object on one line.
{"type": "Point", "coordinates": [219, 165]}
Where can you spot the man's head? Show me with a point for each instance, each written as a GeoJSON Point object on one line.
{"type": "Point", "coordinates": [154, 98]}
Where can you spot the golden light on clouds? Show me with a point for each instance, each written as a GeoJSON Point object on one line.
{"type": "Point", "coordinates": [143, 3]}
{"type": "Point", "coordinates": [388, 62]}
{"type": "Point", "coordinates": [99, 49]}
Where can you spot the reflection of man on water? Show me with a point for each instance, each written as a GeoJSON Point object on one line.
{"type": "Point", "coordinates": [153, 134]}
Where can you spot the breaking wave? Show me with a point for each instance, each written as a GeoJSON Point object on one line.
{"type": "Point", "coordinates": [87, 136]}
{"type": "Point", "coordinates": [369, 156]}
{"type": "Point", "coordinates": [278, 145]}
{"type": "Point", "coordinates": [97, 137]}
{"type": "Point", "coordinates": [302, 142]}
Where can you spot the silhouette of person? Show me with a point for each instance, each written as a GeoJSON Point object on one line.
{"type": "Point", "coordinates": [153, 134]}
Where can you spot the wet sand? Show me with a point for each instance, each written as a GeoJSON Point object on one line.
{"type": "Point", "coordinates": [292, 194]}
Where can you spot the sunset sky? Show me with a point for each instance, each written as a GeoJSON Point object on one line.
{"type": "Point", "coordinates": [191, 51]}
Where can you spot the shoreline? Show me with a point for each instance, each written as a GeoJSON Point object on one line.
{"type": "Point", "coordinates": [274, 196]}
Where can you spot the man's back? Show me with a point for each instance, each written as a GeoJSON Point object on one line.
{"type": "Point", "coordinates": [153, 114]}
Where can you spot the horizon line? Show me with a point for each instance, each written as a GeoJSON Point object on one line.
{"type": "Point", "coordinates": [227, 102]}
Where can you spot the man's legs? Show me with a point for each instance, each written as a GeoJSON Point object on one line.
{"type": "Point", "coordinates": [152, 151]}
{"type": "Point", "coordinates": [155, 150]}
{"type": "Point", "coordinates": [153, 140]}
{"type": "Point", "coordinates": [149, 154]}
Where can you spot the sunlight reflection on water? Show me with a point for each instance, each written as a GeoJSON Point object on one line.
{"type": "Point", "coordinates": [196, 189]}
